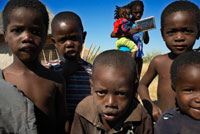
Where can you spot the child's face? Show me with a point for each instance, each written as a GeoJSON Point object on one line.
{"type": "Point", "coordinates": [180, 31]}
{"type": "Point", "coordinates": [188, 90]}
{"type": "Point", "coordinates": [68, 38]}
{"type": "Point", "coordinates": [125, 13]}
{"type": "Point", "coordinates": [137, 13]}
{"type": "Point", "coordinates": [128, 13]}
{"type": "Point", "coordinates": [26, 33]}
{"type": "Point", "coordinates": [112, 92]}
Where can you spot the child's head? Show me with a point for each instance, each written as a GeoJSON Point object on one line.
{"type": "Point", "coordinates": [112, 84]}
{"type": "Point", "coordinates": [122, 12]}
{"type": "Point", "coordinates": [25, 28]}
{"type": "Point", "coordinates": [137, 9]}
{"type": "Point", "coordinates": [180, 26]}
{"type": "Point", "coordinates": [185, 77]}
{"type": "Point", "coordinates": [33, 4]}
{"type": "Point", "coordinates": [68, 34]}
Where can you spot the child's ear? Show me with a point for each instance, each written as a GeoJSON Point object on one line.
{"type": "Point", "coordinates": [84, 35]}
{"type": "Point", "coordinates": [5, 36]}
{"type": "Point", "coordinates": [54, 41]}
{"type": "Point", "coordinates": [91, 86]}
{"type": "Point", "coordinates": [198, 35]}
{"type": "Point", "coordinates": [161, 30]}
{"type": "Point", "coordinates": [173, 88]}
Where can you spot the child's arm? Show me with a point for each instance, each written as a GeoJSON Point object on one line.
{"type": "Point", "coordinates": [134, 30]}
{"type": "Point", "coordinates": [117, 35]}
{"type": "Point", "coordinates": [146, 37]}
{"type": "Point", "coordinates": [61, 112]}
{"type": "Point", "coordinates": [144, 92]}
{"type": "Point", "coordinates": [70, 67]}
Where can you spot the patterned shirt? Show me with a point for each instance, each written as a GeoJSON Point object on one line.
{"type": "Point", "coordinates": [122, 25]}
{"type": "Point", "coordinates": [78, 86]}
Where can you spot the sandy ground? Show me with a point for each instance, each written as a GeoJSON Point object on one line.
{"type": "Point", "coordinates": [153, 85]}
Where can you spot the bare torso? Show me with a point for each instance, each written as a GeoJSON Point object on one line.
{"type": "Point", "coordinates": [166, 96]}
{"type": "Point", "coordinates": [41, 90]}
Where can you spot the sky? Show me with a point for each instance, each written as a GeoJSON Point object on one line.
{"type": "Point", "coordinates": [98, 18]}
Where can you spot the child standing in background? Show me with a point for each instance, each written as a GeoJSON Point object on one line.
{"type": "Point", "coordinates": [185, 78]}
{"type": "Point", "coordinates": [137, 9]}
{"type": "Point", "coordinates": [180, 29]}
{"type": "Point", "coordinates": [123, 25]}
{"type": "Point", "coordinates": [68, 36]}
{"type": "Point", "coordinates": [25, 29]}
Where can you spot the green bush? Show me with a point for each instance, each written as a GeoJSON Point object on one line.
{"type": "Point", "coordinates": [150, 55]}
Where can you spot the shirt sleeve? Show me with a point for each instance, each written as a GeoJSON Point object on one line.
{"type": "Point", "coordinates": [116, 25]}
{"type": "Point", "coordinates": [125, 26]}
{"type": "Point", "coordinates": [146, 126]}
{"type": "Point", "coordinates": [77, 126]}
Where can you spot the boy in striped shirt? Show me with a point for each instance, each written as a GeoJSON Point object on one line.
{"type": "Point", "coordinates": [68, 37]}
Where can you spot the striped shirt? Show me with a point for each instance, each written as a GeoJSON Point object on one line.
{"type": "Point", "coordinates": [78, 86]}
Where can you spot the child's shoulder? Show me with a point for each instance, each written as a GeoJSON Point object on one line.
{"type": "Point", "coordinates": [86, 108]}
{"type": "Point", "coordinates": [159, 59]}
{"type": "Point", "coordinates": [177, 122]}
{"type": "Point", "coordinates": [51, 75]}
{"type": "Point", "coordinates": [137, 112]}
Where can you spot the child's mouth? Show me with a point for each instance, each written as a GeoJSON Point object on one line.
{"type": "Point", "coordinates": [109, 116]}
{"type": "Point", "coordinates": [70, 53]}
{"type": "Point", "coordinates": [28, 49]}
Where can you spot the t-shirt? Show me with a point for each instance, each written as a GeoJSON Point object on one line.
{"type": "Point", "coordinates": [122, 25]}
{"type": "Point", "coordinates": [175, 122]}
{"type": "Point", "coordinates": [77, 84]}
{"type": "Point", "coordinates": [17, 114]}
{"type": "Point", "coordinates": [138, 39]}
{"type": "Point", "coordinates": [87, 120]}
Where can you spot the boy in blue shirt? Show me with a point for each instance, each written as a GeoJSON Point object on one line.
{"type": "Point", "coordinates": [185, 77]}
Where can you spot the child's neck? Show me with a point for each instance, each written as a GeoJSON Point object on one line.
{"type": "Point", "coordinates": [172, 55]}
{"type": "Point", "coordinates": [24, 66]}
{"type": "Point", "coordinates": [106, 124]}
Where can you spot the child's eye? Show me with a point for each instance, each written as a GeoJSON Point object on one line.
{"type": "Point", "coordinates": [171, 32]}
{"type": "Point", "coordinates": [17, 30]}
{"type": "Point", "coordinates": [187, 31]}
{"type": "Point", "coordinates": [121, 93]}
{"type": "Point", "coordinates": [188, 90]}
{"type": "Point", "coordinates": [101, 92]}
{"type": "Point", "coordinates": [36, 32]}
{"type": "Point", "coordinates": [62, 40]}
{"type": "Point", "coordinates": [73, 38]}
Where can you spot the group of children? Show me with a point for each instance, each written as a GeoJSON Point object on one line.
{"type": "Point", "coordinates": [35, 99]}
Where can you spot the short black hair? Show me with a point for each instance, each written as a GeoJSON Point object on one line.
{"type": "Point", "coordinates": [136, 3]}
{"type": "Point", "coordinates": [66, 15]}
{"type": "Point", "coordinates": [117, 59]}
{"type": "Point", "coordinates": [181, 5]}
{"type": "Point", "coordinates": [185, 59]}
{"type": "Point", "coordinates": [34, 4]}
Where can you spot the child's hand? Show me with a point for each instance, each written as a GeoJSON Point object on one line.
{"type": "Point", "coordinates": [70, 66]}
{"type": "Point", "coordinates": [156, 112]}
{"type": "Point", "coordinates": [135, 30]}
{"type": "Point", "coordinates": [133, 54]}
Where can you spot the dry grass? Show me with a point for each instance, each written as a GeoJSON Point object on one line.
{"type": "Point", "coordinates": [153, 85]}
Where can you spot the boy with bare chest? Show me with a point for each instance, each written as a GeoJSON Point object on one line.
{"type": "Point", "coordinates": [25, 29]}
{"type": "Point", "coordinates": [180, 29]}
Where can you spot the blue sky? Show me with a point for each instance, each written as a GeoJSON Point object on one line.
{"type": "Point", "coordinates": [98, 18]}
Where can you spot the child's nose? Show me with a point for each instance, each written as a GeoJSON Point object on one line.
{"type": "Point", "coordinates": [197, 97]}
{"type": "Point", "coordinates": [69, 43]}
{"type": "Point", "coordinates": [179, 36]}
{"type": "Point", "coordinates": [111, 101]}
{"type": "Point", "coordinates": [27, 36]}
